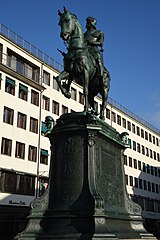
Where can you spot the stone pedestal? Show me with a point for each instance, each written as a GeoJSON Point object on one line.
{"type": "Point", "coordinates": [87, 197]}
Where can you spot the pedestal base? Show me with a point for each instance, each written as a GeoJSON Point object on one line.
{"type": "Point", "coordinates": [87, 197]}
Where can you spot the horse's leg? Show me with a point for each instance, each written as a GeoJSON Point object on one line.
{"type": "Point", "coordinates": [104, 92]}
{"type": "Point", "coordinates": [85, 89]}
{"type": "Point", "coordinates": [91, 95]}
{"type": "Point", "coordinates": [63, 75]}
{"type": "Point", "coordinates": [104, 101]}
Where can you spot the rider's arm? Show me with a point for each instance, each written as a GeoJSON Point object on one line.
{"type": "Point", "coordinates": [99, 40]}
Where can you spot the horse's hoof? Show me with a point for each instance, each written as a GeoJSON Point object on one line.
{"type": "Point", "coordinates": [94, 112]}
{"type": "Point", "coordinates": [102, 118]}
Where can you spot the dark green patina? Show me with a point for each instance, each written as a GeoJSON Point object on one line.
{"type": "Point", "coordinates": [83, 62]}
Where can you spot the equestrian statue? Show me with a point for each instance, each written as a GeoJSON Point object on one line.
{"type": "Point", "coordinates": [83, 63]}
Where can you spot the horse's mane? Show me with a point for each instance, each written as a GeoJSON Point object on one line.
{"type": "Point", "coordinates": [76, 19]}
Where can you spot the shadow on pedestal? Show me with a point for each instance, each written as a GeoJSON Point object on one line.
{"type": "Point", "coordinates": [87, 197]}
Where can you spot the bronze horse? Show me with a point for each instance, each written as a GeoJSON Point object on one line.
{"type": "Point", "coordinates": [80, 65]}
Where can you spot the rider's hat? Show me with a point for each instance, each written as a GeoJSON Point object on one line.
{"type": "Point", "coordinates": [92, 21]}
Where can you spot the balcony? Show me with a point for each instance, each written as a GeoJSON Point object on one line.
{"type": "Point", "coordinates": [29, 47]}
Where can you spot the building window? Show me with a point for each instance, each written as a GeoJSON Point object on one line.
{"type": "Point", "coordinates": [113, 117]}
{"type": "Point", "coordinates": [33, 125]}
{"type": "Point", "coordinates": [154, 155]}
{"type": "Point", "coordinates": [146, 135]}
{"type": "Point", "coordinates": [119, 120]}
{"type": "Point", "coordinates": [8, 115]}
{"type": "Point", "coordinates": [108, 115]}
{"type": "Point", "coordinates": [158, 157]}
{"type": "Point", "coordinates": [157, 142]}
{"type": "Point", "coordinates": [143, 150]}
{"type": "Point", "coordinates": [142, 133]}
{"type": "Point", "coordinates": [128, 125]}
{"type": "Point", "coordinates": [21, 184]}
{"type": "Point", "coordinates": [32, 154]}
{"type": "Point", "coordinates": [135, 163]}
{"type": "Point", "coordinates": [140, 183]}
{"type": "Point", "coordinates": [144, 184]}
{"type": "Point", "coordinates": [6, 146]}
{"type": "Point", "coordinates": [153, 140]}
{"type": "Point", "coordinates": [20, 150]}
{"type": "Point", "coordinates": [44, 157]}
{"type": "Point", "coordinates": [131, 180]}
{"type": "Point", "coordinates": [96, 106]}
{"type": "Point", "coordinates": [148, 169]}
{"type": "Point", "coordinates": [150, 137]}
{"type": "Point", "coordinates": [124, 122]}
{"type": "Point", "coordinates": [10, 86]}
{"type": "Point", "coordinates": [134, 145]}
{"type": "Point", "coordinates": [21, 120]}
{"type": "Point", "coordinates": [138, 131]}
{"type": "Point", "coordinates": [133, 128]}
{"type": "Point", "coordinates": [28, 70]}
{"type": "Point", "coordinates": [152, 170]}
{"type": "Point", "coordinates": [11, 61]}
{"type": "Point", "coordinates": [31, 71]}
{"type": "Point", "coordinates": [149, 186]}
{"type": "Point", "coordinates": [64, 109]}
{"type": "Point", "coordinates": [139, 165]}
{"type": "Point", "coordinates": [155, 171]}
{"type": "Point", "coordinates": [138, 148]}
{"type": "Point", "coordinates": [136, 182]}
{"type": "Point", "coordinates": [46, 78]}
{"type": "Point", "coordinates": [23, 92]}
{"type": "Point", "coordinates": [45, 103]}
{"type": "Point", "coordinates": [147, 152]}
{"type": "Point", "coordinates": [34, 97]}
{"type": "Point", "coordinates": [144, 167]}
{"type": "Point", "coordinates": [130, 162]}
{"type": "Point", "coordinates": [73, 93]}
{"type": "Point", "coordinates": [125, 160]}
{"type": "Point", "coordinates": [22, 66]}
{"type": "Point", "coordinates": [151, 154]}
{"type": "Point", "coordinates": [55, 84]}
{"type": "Point", "coordinates": [55, 107]}
{"type": "Point", "coordinates": [81, 98]}
{"type": "Point", "coordinates": [153, 187]}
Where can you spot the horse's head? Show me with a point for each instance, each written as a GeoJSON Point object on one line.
{"type": "Point", "coordinates": [67, 24]}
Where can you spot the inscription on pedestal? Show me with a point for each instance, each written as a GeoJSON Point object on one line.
{"type": "Point", "coordinates": [109, 173]}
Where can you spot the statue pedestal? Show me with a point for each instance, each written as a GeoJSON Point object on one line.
{"type": "Point", "coordinates": [87, 197]}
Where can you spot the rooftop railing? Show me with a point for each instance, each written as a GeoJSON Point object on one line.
{"type": "Point", "coordinates": [132, 115]}
{"type": "Point", "coordinates": [51, 62]}
{"type": "Point", "coordinates": [29, 47]}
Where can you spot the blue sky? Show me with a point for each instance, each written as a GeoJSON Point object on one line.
{"type": "Point", "coordinates": [131, 48]}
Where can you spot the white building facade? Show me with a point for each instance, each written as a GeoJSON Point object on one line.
{"type": "Point", "coordinates": [29, 93]}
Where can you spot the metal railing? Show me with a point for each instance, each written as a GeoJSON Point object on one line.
{"type": "Point", "coordinates": [29, 47]}
{"type": "Point", "coordinates": [132, 115]}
